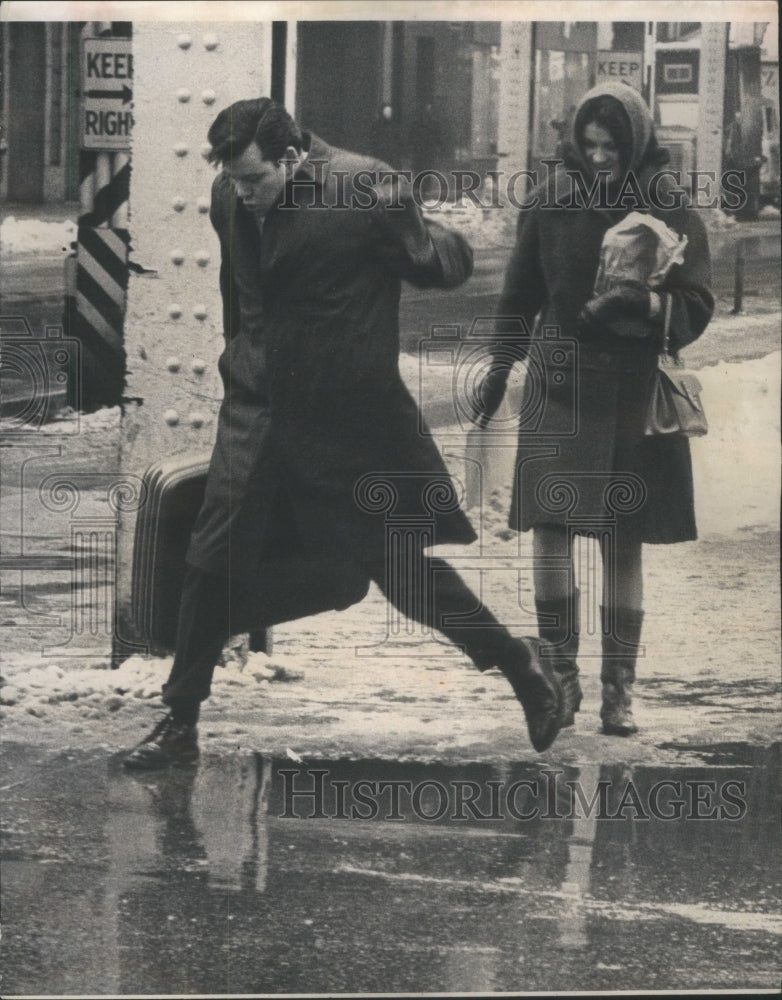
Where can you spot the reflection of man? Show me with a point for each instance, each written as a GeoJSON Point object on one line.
{"type": "Point", "coordinates": [317, 434]}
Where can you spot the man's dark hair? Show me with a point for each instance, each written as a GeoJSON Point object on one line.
{"type": "Point", "coordinates": [263, 121]}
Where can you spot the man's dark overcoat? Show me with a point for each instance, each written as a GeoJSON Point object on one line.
{"type": "Point", "coordinates": [583, 459]}
{"type": "Point", "coordinates": [314, 402]}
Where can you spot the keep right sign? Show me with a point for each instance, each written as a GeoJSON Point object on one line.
{"type": "Point", "coordinates": [107, 93]}
{"type": "Point", "coordinates": [625, 67]}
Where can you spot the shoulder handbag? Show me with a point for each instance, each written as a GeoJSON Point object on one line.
{"type": "Point", "coordinates": [674, 405]}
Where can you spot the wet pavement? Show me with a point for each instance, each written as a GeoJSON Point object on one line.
{"type": "Point", "coordinates": [253, 874]}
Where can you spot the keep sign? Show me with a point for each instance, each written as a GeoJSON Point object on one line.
{"type": "Point", "coordinates": [107, 93]}
{"type": "Point", "coordinates": [624, 67]}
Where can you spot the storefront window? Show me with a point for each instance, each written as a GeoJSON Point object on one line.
{"type": "Point", "coordinates": [677, 31]}
{"type": "Point", "coordinates": [561, 78]}
{"type": "Point", "coordinates": [485, 103]}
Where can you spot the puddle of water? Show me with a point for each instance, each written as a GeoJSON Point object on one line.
{"type": "Point", "coordinates": [247, 874]}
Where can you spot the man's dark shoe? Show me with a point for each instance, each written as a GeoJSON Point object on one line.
{"type": "Point", "coordinates": [170, 742]}
{"type": "Point", "coordinates": [537, 687]}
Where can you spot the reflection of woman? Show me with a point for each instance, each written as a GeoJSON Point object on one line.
{"type": "Point", "coordinates": [595, 470]}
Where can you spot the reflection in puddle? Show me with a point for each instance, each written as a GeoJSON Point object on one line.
{"type": "Point", "coordinates": [248, 874]}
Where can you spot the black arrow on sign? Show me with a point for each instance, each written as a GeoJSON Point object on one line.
{"type": "Point", "coordinates": [125, 95]}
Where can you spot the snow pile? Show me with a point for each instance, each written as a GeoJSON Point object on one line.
{"type": "Point", "coordinates": [716, 219]}
{"type": "Point", "coordinates": [481, 227]}
{"type": "Point", "coordinates": [35, 236]}
{"type": "Point", "coordinates": [735, 466]}
{"type": "Point", "coordinates": [73, 694]}
{"type": "Point", "coordinates": [69, 422]}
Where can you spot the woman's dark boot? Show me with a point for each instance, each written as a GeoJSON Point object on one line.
{"type": "Point", "coordinates": [558, 624]}
{"type": "Point", "coordinates": [621, 638]}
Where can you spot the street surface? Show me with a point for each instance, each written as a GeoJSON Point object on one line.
{"type": "Point", "coordinates": [212, 879]}
{"type": "Point", "coordinates": [194, 882]}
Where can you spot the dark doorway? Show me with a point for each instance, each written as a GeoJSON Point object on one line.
{"type": "Point", "coordinates": [279, 60]}
{"type": "Point", "coordinates": [338, 80]}
{"type": "Point", "coordinates": [424, 71]}
{"type": "Point", "coordinates": [26, 111]}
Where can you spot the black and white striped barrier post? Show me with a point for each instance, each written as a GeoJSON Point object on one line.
{"type": "Point", "coordinates": [97, 281]}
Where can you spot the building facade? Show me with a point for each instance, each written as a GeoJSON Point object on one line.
{"type": "Point", "coordinates": [39, 111]}
{"type": "Point", "coordinates": [475, 95]}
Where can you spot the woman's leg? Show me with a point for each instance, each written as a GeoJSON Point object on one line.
{"type": "Point", "coordinates": [553, 563]}
{"type": "Point", "coordinates": [621, 619]}
{"type": "Point", "coordinates": [622, 572]}
{"type": "Point", "coordinates": [557, 609]}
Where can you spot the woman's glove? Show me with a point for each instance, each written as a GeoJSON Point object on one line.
{"type": "Point", "coordinates": [628, 300]}
{"type": "Point", "coordinates": [489, 394]}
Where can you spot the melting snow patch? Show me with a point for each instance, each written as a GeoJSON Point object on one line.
{"type": "Point", "coordinates": [35, 236]}
{"type": "Point", "coordinates": [29, 687]}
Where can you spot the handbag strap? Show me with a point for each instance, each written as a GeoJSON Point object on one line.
{"type": "Point", "coordinates": [667, 356]}
{"type": "Point", "coordinates": [667, 322]}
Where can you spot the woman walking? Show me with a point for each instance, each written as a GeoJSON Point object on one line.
{"type": "Point", "coordinates": [584, 465]}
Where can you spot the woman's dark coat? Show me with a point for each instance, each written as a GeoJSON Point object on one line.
{"type": "Point", "coordinates": [583, 459]}
{"type": "Point", "coordinates": [319, 443]}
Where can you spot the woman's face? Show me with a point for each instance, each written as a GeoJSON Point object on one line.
{"type": "Point", "coordinates": [601, 151]}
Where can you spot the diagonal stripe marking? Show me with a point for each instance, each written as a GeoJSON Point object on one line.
{"type": "Point", "coordinates": [108, 250]}
{"type": "Point", "coordinates": [102, 326]}
{"type": "Point", "coordinates": [106, 306]}
{"type": "Point", "coordinates": [102, 277]}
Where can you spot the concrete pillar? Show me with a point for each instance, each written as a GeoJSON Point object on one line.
{"type": "Point", "coordinates": [184, 74]}
{"type": "Point", "coordinates": [516, 69]}
{"type": "Point", "coordinates": [714, 39]}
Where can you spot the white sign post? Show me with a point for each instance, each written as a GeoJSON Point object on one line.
{"type": "Point", "coordinates": [107, 93]}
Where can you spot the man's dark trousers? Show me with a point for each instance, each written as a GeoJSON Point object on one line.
{"type": "Point", "coordinates": [212, 609]}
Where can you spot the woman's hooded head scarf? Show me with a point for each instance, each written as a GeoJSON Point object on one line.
{"type": "Point", "coordinates": [633, 131]}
